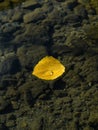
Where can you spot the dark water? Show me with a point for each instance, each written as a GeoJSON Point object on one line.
{"type": "Point", "coordinates": [66, 30]}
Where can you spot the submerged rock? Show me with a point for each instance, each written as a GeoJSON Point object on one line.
{"type": "Point", "coordinates": [5, 4]}
{"type": "Point", "coordinates": [9, 65]}
{"type": "Point", "coordinates": [31, 4]}
{"type": "Point", "coordinates": [34, 16]}
{"type": "Point", "coordinates": [5, 106]}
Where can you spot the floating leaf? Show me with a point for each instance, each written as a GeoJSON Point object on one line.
{"type": "Point", "coordinates": [48, 68]}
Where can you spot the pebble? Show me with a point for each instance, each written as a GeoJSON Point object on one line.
{"type": "Point", "coordinates": [31, 96]}
{"type": "Point", "coordinates": [5, 106]}
{"type": "Point", "coordinates": [34, 16]}
{"type": "Point", "coordinates": [73, 19]}
{"type": "Point", "coordinates": [80, 9]}
{"type": "Point", "coordinates": [31, 4]}
{"type": "Point", "coordinates": [9, 65]}
{"type": "Point", "coordinates": [9, 27]}
{"type": "Point", "coordinates": [17, 17]}
{"type": "Point", "coordinates": [28, 54]}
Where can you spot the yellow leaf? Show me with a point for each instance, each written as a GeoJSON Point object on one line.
{"type": "Point", "coordinates": [48, 68]}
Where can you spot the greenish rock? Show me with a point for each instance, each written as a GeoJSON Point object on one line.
{"type": "Point", "coordinates": [73, 126]}
{"type": "Point", "coordinates": [94, 4]}
{"type": "Point", "coordinates": [22, 123]}
{"type": "Point", "coordinates": [84, 1]}
{"type": "Point", "coordinates": [34, 35]}
{"type": "Point", "coordinates": [80, 9]}
{"type": "Point", "coordinates": [31, 91]}
{"type": "Point", "coordinates": [88, 128]}
{"type": "Point", "coordinates": [91, 31]}
{"type": "Point", "coordinates": [60, 93]}
{"type": "Point", "coordinates": [9, 3]}
{"type": "Point", "coordinates": [37, 124]}
{"type": "Point", "coordinates": [30, 4]}
{"type": "Point", "coordinates": [29, 56]}
{"type": "Point", "coordinates": [10, 123]}
{"type": "Point", "coordinates": [17, 16]}
{"type": "Point", "coordinates": [5, 106]}
{"type": "Point", "coordinates": [11, 93]}
{"type": "Point", "coordinates": [34, 16]}
{"type": "Point", "coordinates": [92, 77]}
{"type": "Point", "coordinates": [90, 4]}
{"type": "Point", "coordinates": [10, 64]}
{"type": "Point", "coordinates": [93, 120]}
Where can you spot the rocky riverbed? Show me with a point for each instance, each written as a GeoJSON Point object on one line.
{"type": "Point", "coordinates": [31, 30]}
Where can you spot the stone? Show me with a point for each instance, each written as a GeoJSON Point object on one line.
{"type": "Point", "coordinates": [71, 4]}
{"type": "Point", "coordinates": [6, 4]}
{"type": "Point", "coordinates": [11, 93]}
{"type": "Point", "coordinates": [34, 16]}
{"type": "Point", "coordinates": [9, 65]}
{"type": "Point", "coordinates": [73, 126]}
{"type": "Point", "coordinates": [37, 124]}
{"type": "Point", "coordinates": [30, 96]}
{"type": "Point", "coordinates": [88, 128]}
{"type": "Point", "coordinates": [5, 106]}
{"type": "Point", "coordinates": [17, 17]}
{"type": "Point", "coordinates": [10, 123]}
{"type": "Point", "coordinates": [30, 4]}
{"type": "Point", "coordinates": [6, 81]}
{"type": "Point", "coordinates": [10, 27]}
{"type": "Point", "coordinates": [58, 50]}
{"type": "Point", "coordinates": [80, 9]}
{"type": "Point", "coordinates": [91, 30]}
{"type": "Point", "coordinates": [73, 19]}
{"type": "Point", "coordinates": [29, 56]}
{"type": "Point", "coordinates": [93, 120]}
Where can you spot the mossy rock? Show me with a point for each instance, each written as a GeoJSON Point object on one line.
{"type": "Point", "coordinates": [94, 4]}
{"type": "Point", "coordinates": [9, 4]}
{"type": "Point", "coordinates": [88, 128]}
{"type": "Point", "coordinates": [90, 4]}
{"type": "Point", "coordinates": [92, 31]}
{"type": "Point", "coordinates": [93, 120]}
